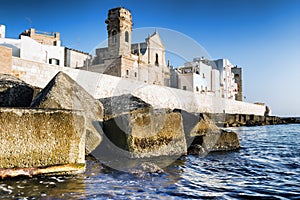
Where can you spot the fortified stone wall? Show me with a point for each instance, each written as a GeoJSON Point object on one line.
{"type": "Point", "coordinates": [101, 86]}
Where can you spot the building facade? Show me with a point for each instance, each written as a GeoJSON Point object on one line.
{"type": "Point", "coordinates": [237, 71]}
{"type": "Point", "coordinates": [42, 37]}
{"type": "Point", "coordinates": [213, 78]}
{"type": "Point", "coordinates": [143, 61]}
{"type": "Point", "coordinates": [44, 47]}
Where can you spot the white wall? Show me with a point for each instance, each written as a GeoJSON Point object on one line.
{"type": "Point", "coordinates": [215, 82]}
{"type": "Point", "coordinates": [100, 86]}
{"type": "Point", "coordinates": [32, 50]}
{"type": "Point", "coordinates": [14, 44]}
{"type": "Point", "coordinates": [206, 71]}
{"type": "Point", "coordinates": [76, 59]}
{"type": "Point", "coordinates": [200, 82]}
{"type": "Point", "coordinates": [187, 81]}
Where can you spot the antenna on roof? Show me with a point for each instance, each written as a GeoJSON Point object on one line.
{"type": "Point", "coordinates": [29, 20]}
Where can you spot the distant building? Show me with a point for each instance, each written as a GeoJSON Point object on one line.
{"type": "Point", "coordinates": [229, 87]}
{"type": "Point", "coordinates": [206, 77]}
{"type": "Point", "coordinates": [44, 47]}
{"type": "Point", "coordinates": [237, 71]}
{"type": "Point", "coordinates": [143, 61]}
{"type": "Point", "coordinates": [47, 38]}
{"type": "Point", "coordinates": [75, 58]}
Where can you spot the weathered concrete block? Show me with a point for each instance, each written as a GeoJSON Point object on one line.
{"type": "Point", "coordinates": [221, 141]}
{"type": "Point", "coordinates": [14, 92]}
{"type": "Point", "coordinates": [38, 138]}
{"type": "Point", "coordinates": [134, 126]}
{"type": "Point", "coordinates": [62, 92]}
{"type": "Point", "coordinates": [147, 134]}
{"type": "Point", "coordinates": [208, 137]}
{"type": "Point", "coordinates": [123, 104]}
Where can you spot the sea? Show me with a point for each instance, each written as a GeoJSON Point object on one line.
{"type": "Point", "coordinates": [267, 166]}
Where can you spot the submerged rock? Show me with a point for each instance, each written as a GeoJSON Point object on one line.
{"type": "Point", "coordinates": [62, 92]}
{"type": "Point", "coordinates": [38, 138]}
{"type": "Point", "coordinates": [146, 168]}
{"type": "Point", "coordinates": [14, 92]}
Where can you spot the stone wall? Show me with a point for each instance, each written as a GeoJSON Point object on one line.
{"type": "Point", "coordinates": [101, 86]}
{"type": "Point", "coordinates": [5, 59]}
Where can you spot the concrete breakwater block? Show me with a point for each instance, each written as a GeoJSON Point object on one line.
{"type": "Point", "coordinates": [207, 137]}
{"type": "Point", "coordinates": [14, 92]}
{"type": "Point", "coordinates": [41, 141]}
{"type": "Point", "coordinates": [62, 92]}
{"type": "Point", "coordinates": [134, 126]}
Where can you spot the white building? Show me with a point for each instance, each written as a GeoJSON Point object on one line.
{"type": "Point", "coordinates": [206, 77]}
{"type": "Point", "coordinates": [229, 87]}
{"type": "Point", "coordinates": [43, 49]}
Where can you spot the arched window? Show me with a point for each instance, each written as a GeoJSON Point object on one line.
{"type": "Point", "coordinates": [156, 60]}
{"type": "Point", "coordinates": [126, 36]}
{"type": "Point", "coordinates": [114, 37]}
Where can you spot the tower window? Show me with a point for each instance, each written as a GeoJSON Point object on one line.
{"type": "Point", "coordinates": [126, 36]}
{"type": "Point", "coordinates": [156, 60]}
{"type": "Point", "coordinates": [114, 37]}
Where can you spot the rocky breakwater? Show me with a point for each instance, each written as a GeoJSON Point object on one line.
{"type": "Point", "coordinates": [50, 136]}
{"type": "Point", "coordinates": [134, 129]}
{"type": "Point", "coordinates": [203, 135]}
{"type": "Point", "coordinates": [64, 123]}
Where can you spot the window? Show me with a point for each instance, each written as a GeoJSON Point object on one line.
{"type": "Point", "coordinates": [156, 60]}
{"type": "Point", "coordinates": [127, 72]}
{"type": "Point", "coordinates": [197, 89]}
{"type": "Point", "coordinates": [126, 36]}
{"type": "Point", "coordinates": [135, 74]}
{"type": "Point", "coordinates": [53, 61]}
{"type": "Point", "coordinates": [184, 87]}
{"type": "Point", "coordinates": [114, 37]}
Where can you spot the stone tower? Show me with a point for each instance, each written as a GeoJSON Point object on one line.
{"type": "Point", "coordinates": [119, 29]}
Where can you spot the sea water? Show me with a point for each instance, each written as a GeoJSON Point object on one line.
{"type": "Point", "coordinates": [266, 166]}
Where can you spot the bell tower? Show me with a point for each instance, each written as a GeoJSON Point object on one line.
{"type": "Point", "coordinates": [119, 29]}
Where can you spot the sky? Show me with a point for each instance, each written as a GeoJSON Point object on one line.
{"type": "Point", "coordinates": [261, 36]}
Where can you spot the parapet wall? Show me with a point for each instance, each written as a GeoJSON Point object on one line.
{"type": "Point", "coordinates": [101, 86]}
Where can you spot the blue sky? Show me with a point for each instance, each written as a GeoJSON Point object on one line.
{"type": "Point", "coordinates": [262, 36]}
